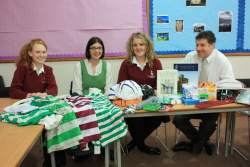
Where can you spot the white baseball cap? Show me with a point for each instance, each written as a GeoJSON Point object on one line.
{"type": "Point", "coordinates": [230, 84]}
{"type": "Point", "coordinates": [127, 90]}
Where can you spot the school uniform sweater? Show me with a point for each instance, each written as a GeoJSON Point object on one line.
{"type": "Point", "coordinates": [27, 81]}
{"type": "Point", "coordinates": [133, 72]}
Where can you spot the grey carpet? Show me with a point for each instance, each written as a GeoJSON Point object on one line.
{"type": "Point", "coordinates": [172, 159]}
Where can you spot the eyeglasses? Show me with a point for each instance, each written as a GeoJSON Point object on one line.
{"type": "Point", "coordinates": [94, 48]}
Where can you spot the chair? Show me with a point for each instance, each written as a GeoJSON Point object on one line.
{"type": "Point", "coordinates": [218, 127]}
{"type": "Point", "coordinates": [71, 86]}
{"type": "Point", "coordinates": [247, 113]}
{"type": "Point", "coordinates": [71, 90]}
{"type": "Point", "coordinates": [245, 81]}
{"type": "Point", "coordinates": [1, 82]}
{"type": "Point", "coordinates": [125, 152]}
{"type": "Point", "coordinates": [165, 135]}
{"type": "Point", "coordinates": [4, 91]}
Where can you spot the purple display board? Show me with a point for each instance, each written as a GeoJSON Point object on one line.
{"type": "Point", "coordinates": [66, 26]}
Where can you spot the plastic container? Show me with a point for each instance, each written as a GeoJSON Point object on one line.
{"type": "Point", "coordinates": [152, 107]}
{"type": "Point", "coordinates": [190, 101]}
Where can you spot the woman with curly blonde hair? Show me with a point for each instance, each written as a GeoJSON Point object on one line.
{"type": "Point", "coordinates": [149, 54]}
{"type": "Point", "coordinates": [141, 66]}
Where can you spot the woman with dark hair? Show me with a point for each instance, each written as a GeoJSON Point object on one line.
{"type": "Point", "coordinates": [92, 72]}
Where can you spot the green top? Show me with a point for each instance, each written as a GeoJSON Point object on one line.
{"type": "Point", "coordinates": [90, 81]}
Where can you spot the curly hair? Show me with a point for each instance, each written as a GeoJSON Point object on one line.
{"type": "Point", "coordinates": [24, 57]}
{"type": "Point", "coordinates": [150, 54]}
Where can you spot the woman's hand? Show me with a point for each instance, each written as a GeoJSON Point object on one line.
{"type": "Point", "coordinates": [36, 94]}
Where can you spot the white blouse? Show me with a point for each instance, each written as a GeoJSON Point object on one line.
{"type": "Point", "coordinates": [219, 67]}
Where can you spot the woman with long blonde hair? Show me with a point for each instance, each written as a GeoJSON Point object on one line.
{"type": "Point", "coordinates": [141, 66]}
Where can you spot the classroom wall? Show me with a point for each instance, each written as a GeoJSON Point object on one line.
{"type": "Point", "coordinates": [64, 70]}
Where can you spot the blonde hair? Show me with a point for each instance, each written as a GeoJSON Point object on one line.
{"type": "Point", "coordinates": [150, 54]}
{"type": "Point", "coordinates": [24, 57]}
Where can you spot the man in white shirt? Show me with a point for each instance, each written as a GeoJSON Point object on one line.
{"type": "Point", "coordinates": [213, 67]}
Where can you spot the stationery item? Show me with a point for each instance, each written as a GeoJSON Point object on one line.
{"type": "Point", "coordinates": [187, 73]}
{"type": "Point", "coordinates": [152, 107]}
{"type": "Point", "coordinates": [190, 101]}
{"type": "Point", "coordinates": [190, 91]}
{"type": "Point", "coordinates": [212, 93]}
{"type": "Point", "coordinates": [166, 82]}
{"type": "Point", "coordinates": [129, 110]}
{"type": "Point", "coordinates": [140, 105]}
{"type": "Point", "coordinates": [165, 108]}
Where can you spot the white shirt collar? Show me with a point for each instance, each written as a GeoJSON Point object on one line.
{"type": "Point", "coordinates": [210, 57]}
{"type": "Point", "coordinates": [89, 64]}
{"type": "Point", "coordinates": [38, 72]}
{"type": "Point", "coordinates": [138, 65]}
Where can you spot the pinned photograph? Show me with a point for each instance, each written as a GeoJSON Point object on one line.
{"type": "Point", "coordinates": [198, 27]}
{"type": "Point", "coordinates": [225, 21]}
{"type": "Point", "coordinates": [179, 25]}
{"type": "Point", "coordinates": [162, 36]}
{"type": "Point", "coordinates": [162, 19]}
{"type": "Point", "coordinates": [196, 3]}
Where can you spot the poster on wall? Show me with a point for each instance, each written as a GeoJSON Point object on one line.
{"type": "Point", "coordinates": [179, 25]}
{"type": "Point", "coordinates": [225, 21]}
{"type": "Point", "coordinates": [196, 3]}
{"type": "Point", "coordinates": [162, 36]}
{"type": "Point", "coordinates": [162, 19]}
{"type": "Point", "coordinates": [198, 27]}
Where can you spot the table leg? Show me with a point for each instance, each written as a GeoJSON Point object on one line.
{"type": "Point", "coordinates": [232, 138]}
{"type": "Point", "coordinates": [119, 164]}
{"type": "Point", "coordinates": [107, 156]}
{"type": "Point", "coordinates": [232, 132]}
{"type": "Point", "coordinates": [227, 134]}
{"type": "Point", "coordinates": [115, 153]}
{"type": "Point", "coordinates": [52, 157]}
{"type": "Point", "coordinates": [249, 130]}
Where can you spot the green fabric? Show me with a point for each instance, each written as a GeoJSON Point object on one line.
{"type": "Point", "coordinates": [47, 107]}
{"type": "Point", "coordinates": [40, 102]}
{"type": "Point", "coordinates": [90, 81]}
{"type": "Point", "coordinates": [31, 118]}
{"type": "Point", "coordinates": [110, 120]}
{"type": "Point", "coordinates": [66, 135]}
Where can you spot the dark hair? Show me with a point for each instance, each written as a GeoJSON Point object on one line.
{"type": "Point", "coordinates": [208, 35]}
{"type": "Point", "coordinates": [92, 41]}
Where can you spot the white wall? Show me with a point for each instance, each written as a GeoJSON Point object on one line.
{"type": "Point", "coordinates": [64, 70]}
